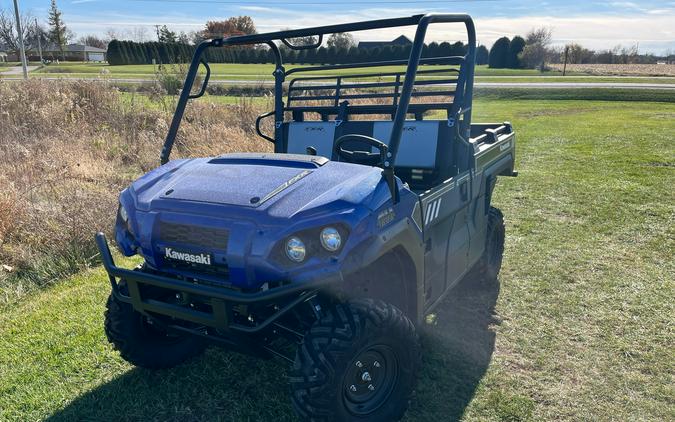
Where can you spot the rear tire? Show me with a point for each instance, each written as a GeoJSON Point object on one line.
{"type": "Point", "coordinates": [491, 262]}
{"type": "Point", "coordinates": [358, 362]}
{"type": "Point", "coordinates": [143, 344]}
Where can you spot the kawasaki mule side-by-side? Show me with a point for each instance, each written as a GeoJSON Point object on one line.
{"type": "Point", "coordinates": [330, 251]}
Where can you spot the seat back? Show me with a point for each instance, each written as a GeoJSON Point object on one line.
{"type": "Point", "coordinates": [424, 154]}
{"type": "Point", "coordinates": [320, 135]}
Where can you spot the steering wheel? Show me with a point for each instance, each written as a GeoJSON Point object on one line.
{"type": "Point", "coordinates": [361, 157]}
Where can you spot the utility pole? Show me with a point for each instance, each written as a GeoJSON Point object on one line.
{"type": "Point", "coordinates": [38, 34]}
{"type": "Point", "coordinates": [18, 30]}
{"type": "Point", "coordinates": [567, 49]}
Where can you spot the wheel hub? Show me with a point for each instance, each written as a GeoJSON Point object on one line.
{"type": "Point", "coordinates": [370, 379]}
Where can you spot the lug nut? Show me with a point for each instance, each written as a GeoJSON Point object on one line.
{"type": "Point", "coordinates": [359, 364]}
{"type": "Point", "coordinates": [376, 364]}
{"type": "Point", "coordinates": [366, 377]}
{"type": "Point", "coordinates": [370, 387]}
{"type": "Point", "coordinates": [352, 387]}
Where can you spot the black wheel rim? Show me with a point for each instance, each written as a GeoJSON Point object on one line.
{"type": "Point", "coordinates": [370, 379]}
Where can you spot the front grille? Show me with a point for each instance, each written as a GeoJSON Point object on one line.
{"type": "Point", "coordinates": [203, 237]}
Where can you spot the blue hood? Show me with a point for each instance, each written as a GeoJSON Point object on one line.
{"type": "Point", "coordinates": [281, 185]}
{"type": "Point", "coordinates": [237, 208]}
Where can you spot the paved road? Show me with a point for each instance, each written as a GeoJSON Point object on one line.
{"type": "Point", "coordinates": [535, 85]}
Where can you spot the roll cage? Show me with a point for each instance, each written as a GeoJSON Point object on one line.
{"type": "Point", "coordinates": [403, 85]}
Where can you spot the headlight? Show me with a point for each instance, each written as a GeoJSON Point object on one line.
{"type": "Point", "coordinates": [295, 249]}
{"type": "Point", "coordinates": [123, 214]}
{"type": "Point", "coordinates": [330, 239]}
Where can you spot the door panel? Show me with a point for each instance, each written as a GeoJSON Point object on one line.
{"type": "Point", "coordinates": [444, 217]}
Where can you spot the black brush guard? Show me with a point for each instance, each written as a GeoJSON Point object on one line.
{"type": "Point", "coordinates": [221, 300]}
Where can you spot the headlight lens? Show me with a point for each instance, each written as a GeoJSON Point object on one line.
{"type": "Point", "coordinates": [295, 249]}
{"type": "Point", "coordinates": [123, 214]}
{"type": "Point", "coordinates": [330, 239]}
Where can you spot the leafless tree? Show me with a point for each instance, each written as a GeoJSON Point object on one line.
{"type": "Point", "coordinates": [31, 31]}
{"type": "Point", "coordinates": [113, 34]}
{"type": "Point", "coordinates": [138, 34]}
{"type": "Point", "coordinates": [93, 41]}
{"type": "Point", "coordinates": [578, 54]}
{"type": "Point", "coordinates": [537, 42]}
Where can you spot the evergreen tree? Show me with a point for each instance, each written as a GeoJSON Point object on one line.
{"type": "Point", "coordinates": [342, 55]}
{"type": "Point", "coordinates": [458, 49]}
{"type": "Point", "coordinates": [499, 54]}
{"type": "Point", "coordinates": [302, 57]}
{"type": "Point", "coordinates": [57, 29]}
{"type": "Point", "coordinates": [482, 55]}
{"type": "Point", "coordinates": [432, 49]}
{"type": "Point", "coordinates": [332, 55]}
{"type": "Point", "coordinates": [515, 48]}
{"type": "Point", "coordinates": [321, 55]}
{"type": "Point", "coordinates": [444, 49]}
{"type": "Point", "coordinates": [124, 54]}
{"type": "Point", "coordinates": [164, 34]}
{"type": "Point", "coordinates": [114, 56]}
{"type": "Point", "coordinates": [352, 55]}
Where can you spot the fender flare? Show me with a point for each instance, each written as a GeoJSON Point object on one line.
{"type": "Point", "coordinates": [404, 236]}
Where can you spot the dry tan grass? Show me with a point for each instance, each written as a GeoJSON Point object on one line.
{"type": "Point", "coordinates": [68, 148]}
{"type": "Point", "coordinates": [620, 69]}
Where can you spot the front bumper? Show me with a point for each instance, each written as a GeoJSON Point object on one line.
{"type": "Point", "coordinates": [220, 300]}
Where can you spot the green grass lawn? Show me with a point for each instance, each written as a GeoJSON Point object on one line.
{"type": "Point", "coordinates": [247, 69]}
{"type": "Point", "coordinates": [580, 329]}
{"type": "Point", "coordinates": [263, 73]}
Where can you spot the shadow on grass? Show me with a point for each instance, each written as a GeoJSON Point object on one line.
{"type": "Point", "coordinates": [227, 386]}
{"type": "Point", "coordinates": [457, 349]}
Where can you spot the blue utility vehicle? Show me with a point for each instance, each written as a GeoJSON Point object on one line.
{"type": "Point", "coordinates": [331, 250]}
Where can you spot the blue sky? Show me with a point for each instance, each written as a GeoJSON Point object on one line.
{"type": "Point", "coordinates": [595, 24]}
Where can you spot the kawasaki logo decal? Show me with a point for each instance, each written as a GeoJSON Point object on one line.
{"type": "Point", "coordinates": [202, 258]}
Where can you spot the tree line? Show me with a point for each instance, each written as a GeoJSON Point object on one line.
{"type": "Point", "coordinates": [133, 46]}
{"type": "Point", "coordinates": [535, 50]}
{"type": "Point", "coordinates": [129, 52]}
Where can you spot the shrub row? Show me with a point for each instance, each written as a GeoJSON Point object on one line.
{"type": "Point", "coordinates": [129, 52]}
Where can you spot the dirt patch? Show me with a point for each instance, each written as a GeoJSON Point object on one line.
{"type": "Point", "coordinates": [660, 164]}
{"type": "Point", "coordinates": [620, 69]}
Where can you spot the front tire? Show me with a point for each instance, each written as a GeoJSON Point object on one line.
{"type": "Point", "coordinates": [141, 343]}
{"type": "Point", "coordinates": [358, 362]}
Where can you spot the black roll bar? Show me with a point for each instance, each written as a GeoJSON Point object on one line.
{"type": "Point", "coordinates": [459, 116]}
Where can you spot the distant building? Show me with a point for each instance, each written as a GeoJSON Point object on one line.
{"type": "Point", "coordinates": [401, 40]}
{"type": "Point", "coordinates": [75, 52]}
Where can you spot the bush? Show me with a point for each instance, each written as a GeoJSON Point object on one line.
{"type": "Point", "coordinates": [499, 54]}
{"type": "Point", "coordinates": [515, 49]}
